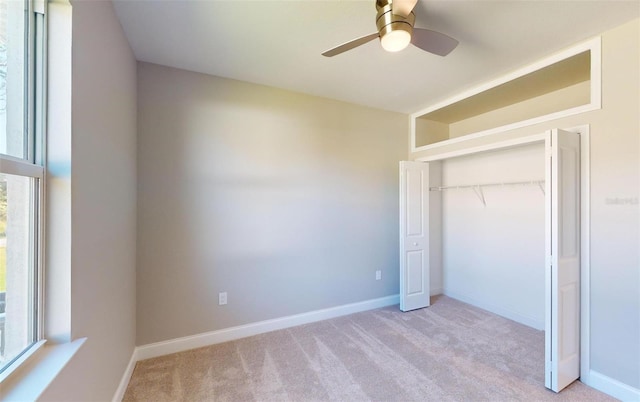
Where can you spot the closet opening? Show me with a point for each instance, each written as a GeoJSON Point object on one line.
{"type": "Point", "coordinates": [498, 227]}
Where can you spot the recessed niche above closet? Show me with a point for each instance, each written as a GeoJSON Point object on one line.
{"type": "Point", "coordinates": [561, 85]}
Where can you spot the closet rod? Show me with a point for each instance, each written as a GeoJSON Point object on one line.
{"type": "Point", "coordinates": [473, 186]}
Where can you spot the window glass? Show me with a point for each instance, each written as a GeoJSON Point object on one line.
{"type": "Point", "coordinates": [20, 182]}
{"type": "Point", "coordinates": [17, 268]}
{"type": "Point", "coordinates": [13, 62]}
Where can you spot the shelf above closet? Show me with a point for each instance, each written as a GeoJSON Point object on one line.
{"type": "Point", "coordinates": [564, 84]}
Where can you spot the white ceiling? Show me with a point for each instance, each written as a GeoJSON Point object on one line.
{"type": "Point", "coordinates": [278, 43]}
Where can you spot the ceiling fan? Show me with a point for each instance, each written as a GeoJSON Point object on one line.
{"type": "Point", "coordinates": [395, 21]}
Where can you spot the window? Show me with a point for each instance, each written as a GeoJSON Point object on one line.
{"type": "Point", "coordinates": [21, 177]}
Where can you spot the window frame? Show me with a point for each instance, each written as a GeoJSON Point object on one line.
{"type": "Point", "coordinates": [32, 166]}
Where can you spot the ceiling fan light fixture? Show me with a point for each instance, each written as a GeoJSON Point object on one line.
{"type": "Point", "coordinates": [396, 40]}
{"type": "Point", "coordinates": [395, 30]}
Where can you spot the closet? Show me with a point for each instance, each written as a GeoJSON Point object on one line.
{"type": "Point", "coordinates": [421, 237]}
{"type": "Point", "coordinates": [465, 255]}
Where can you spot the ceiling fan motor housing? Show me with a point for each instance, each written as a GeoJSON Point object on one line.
{"type": "Point", "coordinates": [387, 21]}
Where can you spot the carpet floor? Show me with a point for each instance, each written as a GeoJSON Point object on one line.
{"type": "Point", "coordinates": [450, 351]}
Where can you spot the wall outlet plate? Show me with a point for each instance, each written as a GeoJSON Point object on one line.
{"type": "Point", "coordinates": [222, 298]}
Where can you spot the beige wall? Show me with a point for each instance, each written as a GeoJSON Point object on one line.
{"type": "Point", "coordinates": [493, 252]}
{"type": "Point", "coordinates": [429, 131]}
{"type": "Point", "coordinates": [288, 202]}
{"type": "Point", "coordinates": [615, 230]}
{"type": "Point", "coordinates": [103, 205]}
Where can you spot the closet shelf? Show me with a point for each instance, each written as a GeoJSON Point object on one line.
{"type": "Point", "coordinates": [466, 186]}
{"type": "Point", "coordinates": [477, 188]}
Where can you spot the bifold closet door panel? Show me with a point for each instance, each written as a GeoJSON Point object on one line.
{"type": "Point", "coordinates": [562, 345]}
{"type": "Point", "coordinates": [414, 235]}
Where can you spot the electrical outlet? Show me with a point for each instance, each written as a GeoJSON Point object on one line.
{"type": "Point", "coordinates": [222, 298]}
{"type": "Point", "coordinates": [378, 275]}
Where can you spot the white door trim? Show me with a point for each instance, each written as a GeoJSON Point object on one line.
{"type": "Point", "coordinates": [585, 251]}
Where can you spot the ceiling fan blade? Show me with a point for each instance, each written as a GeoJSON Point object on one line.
{"type": "Point", "coordinates": [433, 42]}
{"type": "Point", "coordinates": [403, 7]}
{"type": "Point", "coordinates": [350, 45]}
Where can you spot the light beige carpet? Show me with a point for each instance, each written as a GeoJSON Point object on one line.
{"type": "Point", "coordinates": [450, 351]}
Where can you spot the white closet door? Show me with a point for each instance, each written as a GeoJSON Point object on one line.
{"type": "Point", "coordinates": [562, 343]}
{"type": "Point", "coordinates": [414, 235]}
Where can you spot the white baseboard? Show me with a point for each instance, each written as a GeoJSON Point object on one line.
{"type": "Point", "coordinates": [512, 315]}
{"type": "Point", "coordinates": [209, 338]}
{"type": "Point", "coordinates": [436, 291]}
{"type": "Point", "coordinates": [124, 382]}
{"type": "Point", "coordinates": [608, 385]}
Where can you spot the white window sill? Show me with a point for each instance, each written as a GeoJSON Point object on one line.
{"type": "Point", "coordinates": [35, 374]}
